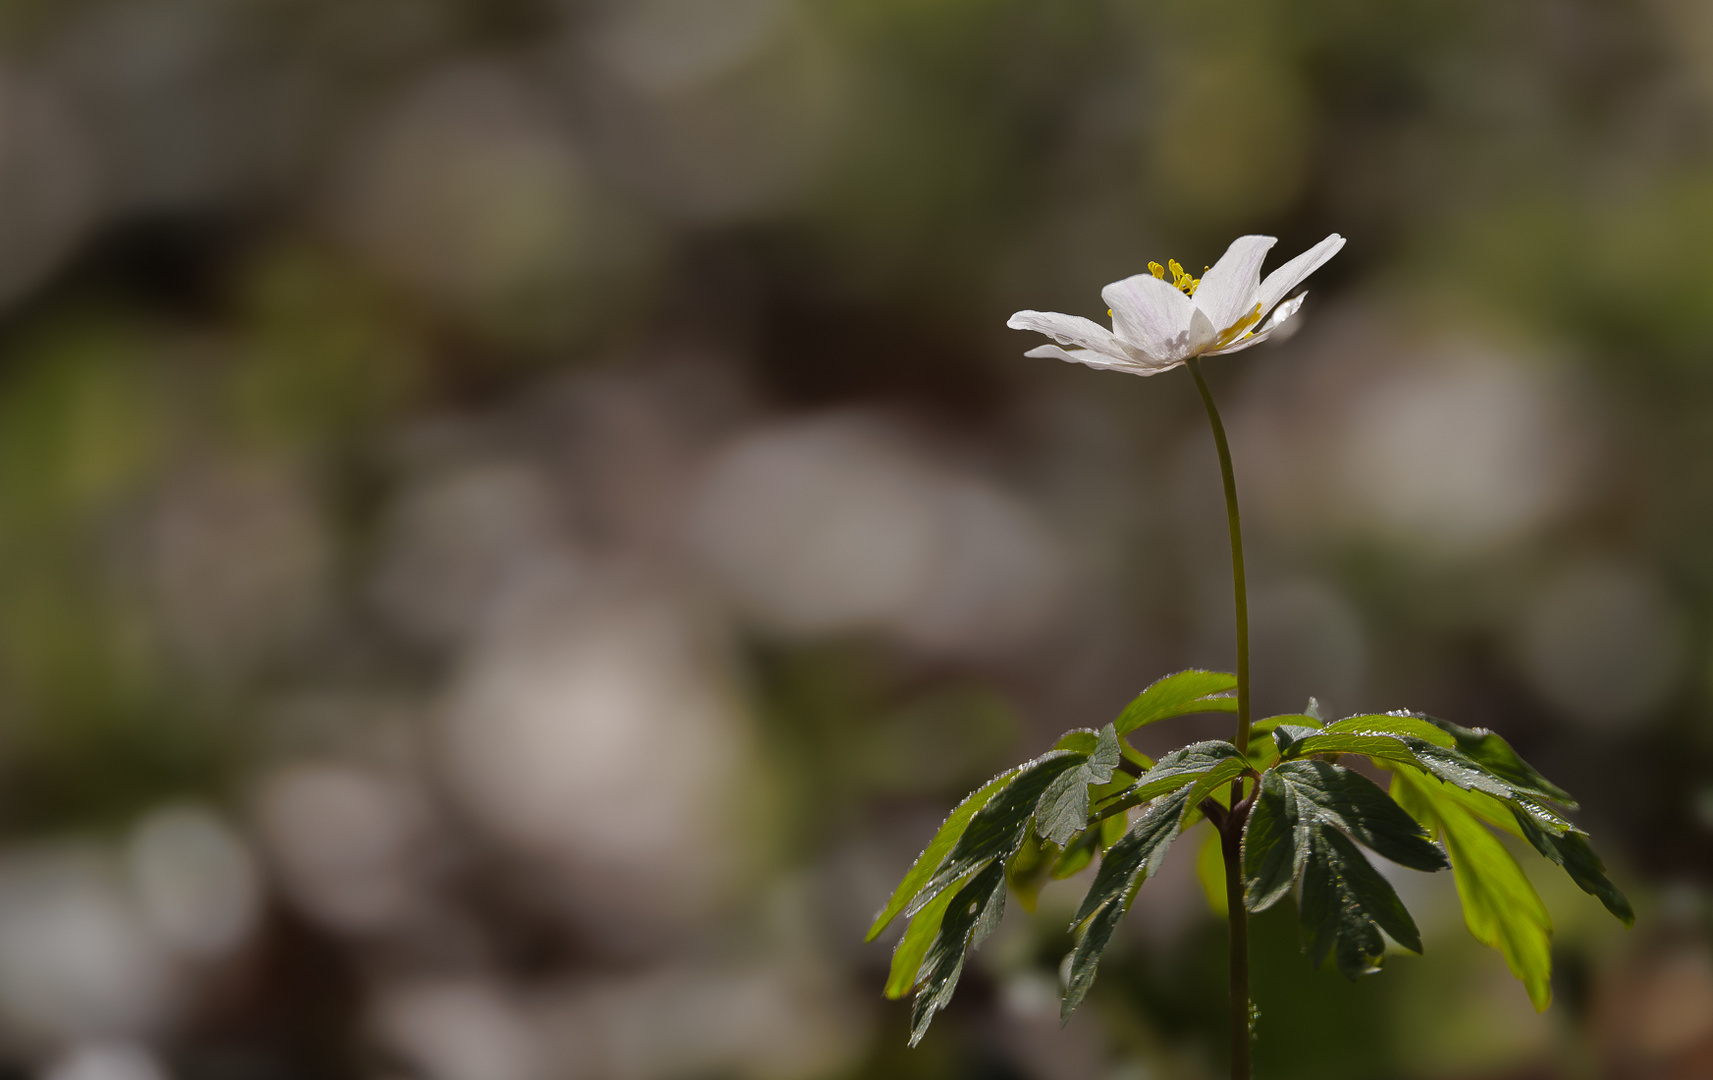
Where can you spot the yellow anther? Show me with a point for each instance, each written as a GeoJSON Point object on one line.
{"type": "Point", "coordinates": [1179, 279]}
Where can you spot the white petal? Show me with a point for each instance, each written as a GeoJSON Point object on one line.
{"type": "Point", "coordinates": [1095, 360]}
{"type": "Point", "coordinates": [1281, 315]}
{"type": "Point", "coordinates": [1227, 291]}
{"type": "Point", "coordinates": [1201, 335]}
{"type": "Point", "coordinates": [1070, 330]}
{"type": "Point", "coordinates": [1290, 275]}
{"type": "Point", "coordinates": [1151, 316]}
{"type": "Point", "coordinates": [1242, 343]}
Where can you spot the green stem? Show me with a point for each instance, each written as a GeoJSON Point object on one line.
{"type": "Point", "coordinates": [1235, 521]}
{"type": "Point", "coordinates": [1231, 838]}
{"type": "Point", "coordinates": [1231, 846]}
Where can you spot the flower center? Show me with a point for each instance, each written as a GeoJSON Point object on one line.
{"type": "Point", "coordinates": [1179, 278]}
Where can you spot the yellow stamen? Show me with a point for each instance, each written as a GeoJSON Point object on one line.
{"type": "Point", "coordinates": [1238, 329]}
{"type": "Point", "coordinates": [1179, 278]}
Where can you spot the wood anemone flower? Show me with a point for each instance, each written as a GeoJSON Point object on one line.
{"type": "Point", "coordinates": [1158, 323]}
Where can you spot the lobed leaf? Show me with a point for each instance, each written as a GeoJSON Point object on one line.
{"type": "Point", "coordinates": [1572, 851]}
{"type": "Point", "coordinates": [1175, 770]}
{"type": "Point", "coordinates": [996, 830]}
{"type": "Point", "coordinates": [1500, 907]}
{"type": "Point", "coordinates": [1063, 809]}
{"type": "Point", "coordinates": [1274, 843]}
{"type": "Point", "coordinates": [1394, 723]}
{"type": "Point", "coordinates": [1132, 860]}
{"type": "Point", "coordinates": [972, 913]}
{"type": "Point", "coordinates": [950, 831]}
{"type": "Point", "coordinates": [1192, 691]}
{"type": "Point", "coordinates": [1299, 798]}
{"type": "Point", "coordinates": [1446, 763]}
{"type": "Point", "coordinates": [912, 948]}
{"type": "Point", "coordinates": [1496, 756]}
{"type": "Point", "coordinates": [1266, 726]}
{"type": "Point", "coordinates": [1345, 904]}
{"type": "Point", "coordinates": [1347, 800]}
{"type": "Point", "coordinates": [1212, 780]}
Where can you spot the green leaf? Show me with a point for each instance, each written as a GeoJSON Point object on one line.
{"type": "Point", "coordinates": [1186, 692]}
{"type": "Point", "coordinates": [1507, 814]}
{"type": "Point", "coordinates": [1572, 851]}
{"type": "Point", "coordinates": [1349, 801]}
{"type": "Point", "coordinates": [1394, 723]}
{"type": "Point", "coordinates": [1274, 844]}
{"type": "Point", "coordinates": [1345, 905]}
{"type": "Point", "coordinates": [1079, 852]}
{"type": "Point", "coordinates": [1210, 871]}
{"type": "Point", "coordinates": [974, 911]}
{"type": "Point", "coordinates": [1299, 798]}
{"type": "Point", "coordinates": [1398, 749]}
{"type": "Point", "coordinates": [926, 863]}
{"type": "Point", "coordinates": [1265, 727]}
{"type": "Point", "coordinates": [1175, 770]}
{"type": "Point", "coordinates": [996, 830]}
{"type": "Point", "coordinates": [1496, 756]}
{"type": "Point", "coordinates": [1063, 808]}
{"type": "Point", "coordinates": [1026, 871]}
{"type": "Point", "coordinates": [1216, 777]}
{"type": "Point", "coordinates": [1135, 858]}
{"type": "Point", "coordinates": [1080, 740]}
{"type": "Point", "coordinates": [1286, 736]}
{"type": "Point", "coordinates": [907, 956]}
{"type": "Point", "coordinates": [1500, 907]}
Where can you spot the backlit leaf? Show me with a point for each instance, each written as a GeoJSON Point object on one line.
{"type": "Point", "coordinates": [938, 848]}
{"type": "Point", "coordinates": [1026, 871]}
{"type": "Point", "coordinates": [1394, 724]}
{"type": "Point", "coordinates": [1210, 871]}
{"type": "Point", "coordinates": [1186, 692]}
{"type": "Point", "coordinates": [1500, 907]}
{"type": "Point", "coordinates": [912, 948]}
{"type": "Point", "coordinates": [1078, 853]}
{"type": "Point", "coordinates": [996, 830]}
{"type": "Point", "coordinates": [1496, 756]}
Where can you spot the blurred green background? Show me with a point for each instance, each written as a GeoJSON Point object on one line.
{"type": "Point", "coordinates": [518, 517]}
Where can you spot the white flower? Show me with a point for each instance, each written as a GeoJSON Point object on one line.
{"type": "Point", "coordinates": [1158, 324]}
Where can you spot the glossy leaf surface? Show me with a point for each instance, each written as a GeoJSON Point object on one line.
{"type": "Point", "coordinates": [974, 910]}
{"type": "Point", "coordinates": [1345, 904]}
{"type": "Point", "coordinates": [1063, 809]}
{"type": "Point", "coordinates": [1186, 692]}
{"type": "Point", "coordinates": [950, 831]}
{"type": "Point", "coordinates": [1134, 859]}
